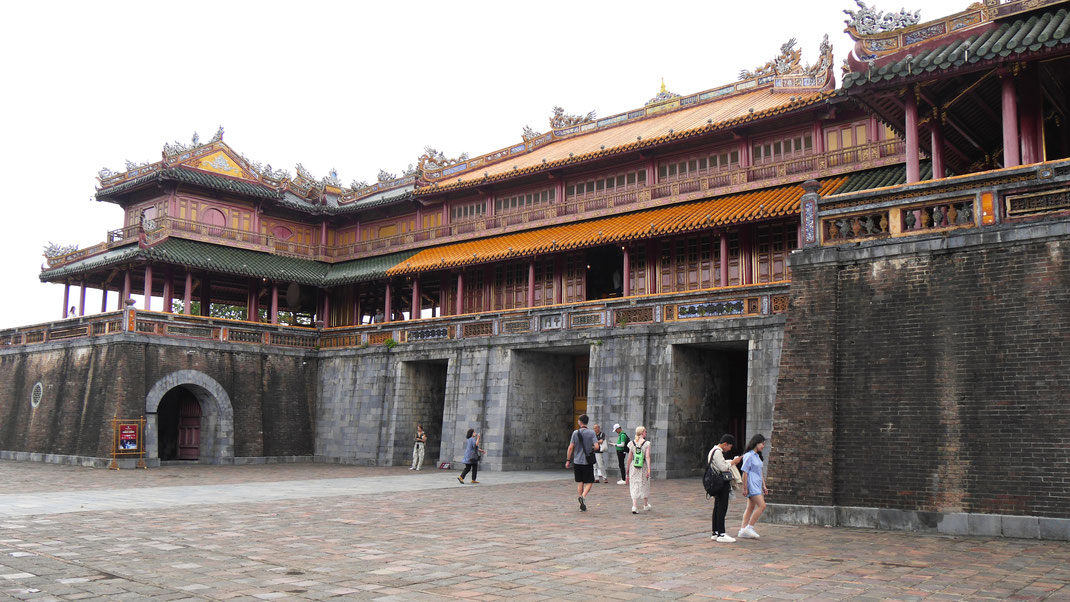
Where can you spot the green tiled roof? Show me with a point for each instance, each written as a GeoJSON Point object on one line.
{"type": "Point", "coordinates": [1032, 33]}
{"type": "Point", "coordinates": [360, 270]}
{"type": "Point", "coordinates": [238, 262]}
{"type": "Point", "coordinates": [197, 178]}
{"type": "Point", "coordinates": [890, 175]}
{"type": "Point", "coordinates": [105, 259]}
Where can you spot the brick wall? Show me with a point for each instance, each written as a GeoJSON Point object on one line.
{"type": "Point", "coordinates": [929, 377]}
{"type": "Point", "coordinates": [273, 396]}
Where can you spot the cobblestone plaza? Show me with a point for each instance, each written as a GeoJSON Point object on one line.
{"type": "Point", "coordinates": [320, 531]}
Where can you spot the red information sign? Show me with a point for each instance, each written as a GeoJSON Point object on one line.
{"type": "Point", "coordinates": [127, 437]}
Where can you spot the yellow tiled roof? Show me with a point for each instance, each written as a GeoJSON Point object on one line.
{"type": "Point", "coordinates": [654, 130]}
{"type": "Point", "coordinates": [747, 206]}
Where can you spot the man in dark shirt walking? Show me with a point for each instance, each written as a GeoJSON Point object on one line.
{"type": "Point", "coordinates": [581, 450]}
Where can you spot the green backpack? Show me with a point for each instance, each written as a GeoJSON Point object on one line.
{"type": "Point", "coordinates": [639, 457]}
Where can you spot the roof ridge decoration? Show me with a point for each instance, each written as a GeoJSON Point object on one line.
{"type": "Point", "coordinates": [217, 157]}
{"type": "Point", "coordinates": [793, 79]}
{"type": "Point", "coordinates": [662, 96]}
{"type": "Point", "coordinates": [868, 21]}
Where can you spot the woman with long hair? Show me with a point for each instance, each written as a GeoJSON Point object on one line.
{"type": "Point", "coordinates": [639, 470]}
{"type": "Point", "coordinates": [753, 469]}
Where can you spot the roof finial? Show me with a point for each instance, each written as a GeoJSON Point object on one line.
{"type": "Point", "coordinates": [663, 85]}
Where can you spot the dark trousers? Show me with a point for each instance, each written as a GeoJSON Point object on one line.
{"type": "Point", "coordinates": [720, 509]}
{"type": "Point", "coordinates": [474, 467]}
{"type": "Point", "coordinates": [622, 454]}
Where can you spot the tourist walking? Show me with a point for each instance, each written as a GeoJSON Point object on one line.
{"type": "Point", "coordinates": [471, 456]}
{"type": "Point", "coordinates": [418, 448]}
{"type": "Point", "coordinates": [754, 489]}
{"type": "Point", "coordinates": [599, 458]}
{"type": "Point", "coordinates": [639, 470]}
{"type": "Point", "coordinates": [621, 445]}
{"type": "Point", "coordinates": [581, 450]}
{"type": "Point", "coordinates": [720, 501]}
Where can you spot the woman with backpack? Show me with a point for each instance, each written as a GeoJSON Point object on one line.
{"type": "Point", "coordinates": [754, 489]}
{"type": "Point", "coordinates": [638, 464]}
{"type": "Point", "coordinates": [720, 500]}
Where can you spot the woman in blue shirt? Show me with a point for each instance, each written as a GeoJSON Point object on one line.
{"type": "Point", "coordinates": [754, 490]}
{"type": "Point", "coordinates": [471, 456]}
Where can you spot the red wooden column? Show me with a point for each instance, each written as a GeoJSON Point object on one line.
{"type": "Point", "coordinates": [81, 300]}
{"type": "Point", "coordinates": [746, 248]}
{"type": "Point", "coordinates": [1031, 117]}
{"type": "Point", "coordinates": [66, 299]}
{"type": "Point", "coordinates": [724, 259]}
{"type": "Point", "coordinates": [253, 311]}
{"type": "Point", "coordinates": [414, 307]}
{"type": "Point", "coordinates": [326, 318]}
{"type": "Point", "coordinates": [938, 146]}
{"type": "Point", "coordinates": [1011, 158]}
{"type": "Point", "coordinates": [913, 150]}
{"type": "Point", "coordinates": [148, 287]}
{"type": "Point", "coordinates": [357, 318]}
{"type": "Point", "coordinates": [168, 289]}
{"type": "Point", "coordinates": [626, 286]}
{"type": "Point", "coordinates": [387, 309]}
{"type": "Point", "coordinates": [459, 302]}
{"type": "Point", "coordinates": [559, 283]}
{"type": "Point", "coordinates": [531, 283]}
{"type": "Point", "coordinates": [126, 288]}
{"type": "Point", "coordinates": [274, 302]}
{"type": "Point", "coordinates": [206, 295]}
{"type": "Point", "coordinates": [187, 295]}
{"type": "Point", "coordinates": [104, 298]}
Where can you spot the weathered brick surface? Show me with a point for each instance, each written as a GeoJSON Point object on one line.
{"type": "Point", "coordinates": [86, 384]}
{"type": "Point", "coordinates": [933, 380]}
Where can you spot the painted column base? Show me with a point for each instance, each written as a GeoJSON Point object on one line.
{"type": "Point", "coordinates": [944, 523]}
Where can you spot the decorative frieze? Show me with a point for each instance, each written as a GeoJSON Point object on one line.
{"type": "Point", "coordinates": [1037, 203]}
{"type": "Point", "coordinates": [429, 334]}
{"type": "Point", "coordinates": [585, 320]}
{"type": "Point", "coordinates": [477, 329]}
{"type": "Point", "coordinates": [516, 326]}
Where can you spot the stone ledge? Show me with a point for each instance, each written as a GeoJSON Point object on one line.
{"type": "Point", "coordinates": [945, 523]}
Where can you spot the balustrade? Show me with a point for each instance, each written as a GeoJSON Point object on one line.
{"type": "Point", "coordinates": [605, 313]}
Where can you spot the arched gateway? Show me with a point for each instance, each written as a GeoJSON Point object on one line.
{"type": "Point", "coordinates": [188, 416]}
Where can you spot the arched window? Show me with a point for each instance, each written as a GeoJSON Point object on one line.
{"type": "Point", "coordinates": [214, 217]}
{"type": "Point", "coordinates": [282, 232]}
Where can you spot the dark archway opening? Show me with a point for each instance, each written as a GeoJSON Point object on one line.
{"type": "Point", "coordinates": [709, 400]}
{"type": "Point", "coordinates": [178, 420]}
{"type": "Point", "coordinates": [605, 266]}
{"type": "Point", "coordinates": [423, 398]}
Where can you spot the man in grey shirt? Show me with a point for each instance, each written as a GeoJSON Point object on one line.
{"type": "Point", "coordinates": [581, 450]}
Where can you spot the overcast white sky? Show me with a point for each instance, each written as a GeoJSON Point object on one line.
{"type": "Point", "coordinates": [354, 86]}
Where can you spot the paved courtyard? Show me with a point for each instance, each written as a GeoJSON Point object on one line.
{"type": "Point", "coordinates": [313, 531]}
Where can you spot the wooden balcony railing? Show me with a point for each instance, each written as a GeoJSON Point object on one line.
{"type": "Point", "coordinates": [725, 303]}
{"type": "Point", "coordinates": [607, 203]}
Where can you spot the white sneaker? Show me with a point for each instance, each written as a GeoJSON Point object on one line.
{"type": "Point", "coordinates": [725, 539]}
{"type": "Point", "coordinates": [622, 482]}
{"type": "Point", "coordinates": [647, 508]}
{"type": "Point", "coordinates": [411, 468]}
{"type": "Point", "coordinates": [742, 533]}
{"type": "Point", "coordinates": [751, 533]}
{"type": "Point", "coordinates": [634, 510]}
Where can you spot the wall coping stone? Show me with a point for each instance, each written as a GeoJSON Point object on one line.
{"type": "Point", "coordinates": [944, 523]}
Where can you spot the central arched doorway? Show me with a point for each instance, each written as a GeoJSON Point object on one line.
{"type": "Point", "coordinates": [188, 416]}
{"type": "Point", "coordinates": [178, 420]}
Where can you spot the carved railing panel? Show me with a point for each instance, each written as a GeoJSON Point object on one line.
{"type": "Point", "coordinates": [855, 227]}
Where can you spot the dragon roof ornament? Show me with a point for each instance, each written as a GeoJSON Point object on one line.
{"type": "Point", "coordinates": [560, 119]}
{"type": "Point", "coordinates": [435, 159]}
{"type": "Point", "coordinates": [868, 21]}
{"type": "Point", "coordinates": [662, 96]}
{"type": "Point", "coordinates": [785, 63]}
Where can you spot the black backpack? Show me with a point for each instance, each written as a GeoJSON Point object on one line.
{"type": "Point", "coordinates": [712, 481]}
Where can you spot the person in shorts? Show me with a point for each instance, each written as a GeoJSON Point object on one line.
{"type": "Point", "coordinates": [581, 450]}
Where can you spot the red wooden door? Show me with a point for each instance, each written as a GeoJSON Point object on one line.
{"type": "Point", "coordinates": [189, 430]}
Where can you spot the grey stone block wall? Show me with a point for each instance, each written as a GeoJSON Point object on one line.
{"type": "Point", "coordinates": [517, 391]}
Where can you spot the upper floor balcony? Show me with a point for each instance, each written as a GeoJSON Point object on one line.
{"type": "Point", "coordinates": [818, 165]}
